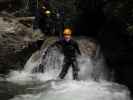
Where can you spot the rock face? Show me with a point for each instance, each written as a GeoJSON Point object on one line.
{"type": "Point", "coordinates": [15, 39]}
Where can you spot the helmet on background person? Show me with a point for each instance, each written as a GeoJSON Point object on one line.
{"type": "Point", "coordinates": [47, 12]}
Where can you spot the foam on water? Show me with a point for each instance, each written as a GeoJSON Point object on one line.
{"type": "Point", "coordinates": [82, 90]}
{"type": "Point", "coordinates": [53, 65]}
{"type": "Point", "coordinates": [87, 72]}
{"type": "Point", "coordinates": [92, 85]}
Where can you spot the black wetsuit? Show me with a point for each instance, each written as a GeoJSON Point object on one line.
{"type": "Point", "coordinates": [70, 50]}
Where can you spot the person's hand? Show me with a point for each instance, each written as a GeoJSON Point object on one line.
{"type": "Point", "coordinates": [36, 31]}
{"type": "Point", "coordinates": [37, 34]}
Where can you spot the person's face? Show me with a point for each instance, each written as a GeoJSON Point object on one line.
{"type": "Point", "coordinates": [67, 37]}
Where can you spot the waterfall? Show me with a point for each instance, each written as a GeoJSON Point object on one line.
{"type": "Point", "coordinates": [90, 68]}
{"type": "Point", "coordinates": [93, 84]}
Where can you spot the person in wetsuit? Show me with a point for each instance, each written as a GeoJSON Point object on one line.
{"type": "Point", "coordinates": [70, 49]}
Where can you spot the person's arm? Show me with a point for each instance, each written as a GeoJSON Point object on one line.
{"type": "Point", "coordinates": [77, 48]}
{"type": "Point", "coordinates": [36, 20]}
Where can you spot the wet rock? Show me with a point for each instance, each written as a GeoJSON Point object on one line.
{"type": "Point", "coordinates": [87, 46]}
{"type": "Point", "coordinates": [16, 43]}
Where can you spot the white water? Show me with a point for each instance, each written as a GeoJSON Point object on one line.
{"type": "Point", "coordinates": [72, 90]}
{"type": "Point", "coordinates": [93, 84]}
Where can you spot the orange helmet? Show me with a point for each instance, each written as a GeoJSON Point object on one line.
{"type": "Point", "coordinates": [67, 31]}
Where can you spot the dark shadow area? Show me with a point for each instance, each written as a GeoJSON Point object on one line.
{"type": "Point", "coordinates": [117, 50]}
{"type": "Point", "coordinates": [116, 43]}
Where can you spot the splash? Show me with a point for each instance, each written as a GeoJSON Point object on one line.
{"type": "Point", "coordinates": [93, 84]}
{"type": "Point", "coordinates": [89, 69]}
{"type": "Point", "coordinates": [82, 90]}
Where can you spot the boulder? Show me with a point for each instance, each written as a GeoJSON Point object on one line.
{"type": "Point", "coordinates": [16, 43]}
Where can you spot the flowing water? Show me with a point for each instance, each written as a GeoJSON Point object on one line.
{"type": "Point", "coordinates": [93, 84]}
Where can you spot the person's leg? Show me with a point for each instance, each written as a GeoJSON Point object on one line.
{"type": "Point", "coordinates": [64, 70]}
{"type": "Point", "coordinates": [75, 70]}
